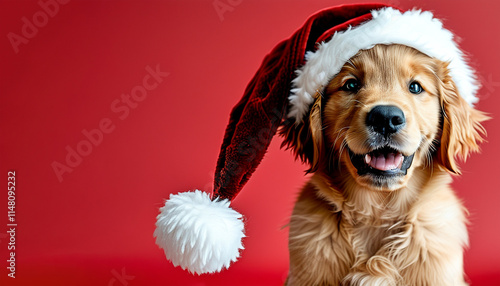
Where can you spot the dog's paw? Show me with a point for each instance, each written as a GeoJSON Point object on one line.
{"type": "Point", "coordinates": [365, 279]}
{"type": "Point", "coordinates": [378, 270]}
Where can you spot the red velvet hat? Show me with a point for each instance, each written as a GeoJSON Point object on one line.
{"type": "Point", "coordinates": [200, 232]}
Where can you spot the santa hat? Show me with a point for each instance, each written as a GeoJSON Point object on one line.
{"type": "Point", "coordinates": [200, 232]}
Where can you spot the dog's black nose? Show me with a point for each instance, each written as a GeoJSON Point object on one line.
{"type": "Point", "coordinates": [386, 119]}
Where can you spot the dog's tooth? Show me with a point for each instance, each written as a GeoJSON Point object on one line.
{"type": "Point", "coordinates": [368, 158]}
{"type": "Point", "coordinates": [399, 160]}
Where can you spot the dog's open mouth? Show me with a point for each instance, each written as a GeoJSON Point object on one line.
{"type": "Point", "coordinates": [384, 161]}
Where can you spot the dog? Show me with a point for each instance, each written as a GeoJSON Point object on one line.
{"type": "Point", "coordinates": [382, 140]}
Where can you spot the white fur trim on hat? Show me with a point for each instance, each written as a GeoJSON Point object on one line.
{"type": "Point", "coordinates": [198, 234]}
{"type": "Point", "coordinates": [414, 28]}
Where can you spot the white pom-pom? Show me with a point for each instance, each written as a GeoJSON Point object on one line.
{"type": "Point", "coordinates": [199, 234]}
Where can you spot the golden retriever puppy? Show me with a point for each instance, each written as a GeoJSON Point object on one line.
{"type": "Point", "coordinates": [382, 143]}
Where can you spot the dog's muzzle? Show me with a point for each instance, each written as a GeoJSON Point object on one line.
{"type": "Point", "coordinates": [384, 161]}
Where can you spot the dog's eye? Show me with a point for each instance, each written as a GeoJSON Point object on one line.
{"type": "Point", "coordinates": [351, 85]}
{"type": "Point", "coordinates": [415, 88]}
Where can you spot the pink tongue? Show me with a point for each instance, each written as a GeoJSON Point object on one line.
{"type": "Point", "coordinates": [385, 162]}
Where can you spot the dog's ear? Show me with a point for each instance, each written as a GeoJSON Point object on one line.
{"type": "Point", "coordinates": [461, 130]}
{"type": "Point", "coordinates": [306, 138]}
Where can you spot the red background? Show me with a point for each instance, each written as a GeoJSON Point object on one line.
{"type": "Point", "coordinates": [95, 226]}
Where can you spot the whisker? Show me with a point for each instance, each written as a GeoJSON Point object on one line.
{"type": "Point", "coordinates": [339, 133]}
{"type": "Point", "coordinates": [343, 146]}
{"type": "Point", "coordinates": [428, 154]}
{"type": "Point", "coordinates": [361, 103]}
{"type": "Point", "coordinates": [330, 157]}
{"type": "Point", "coordinates": [429, 158]}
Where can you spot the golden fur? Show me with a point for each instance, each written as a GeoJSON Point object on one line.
{"type": "Point", "coordinates": [349, 229]}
